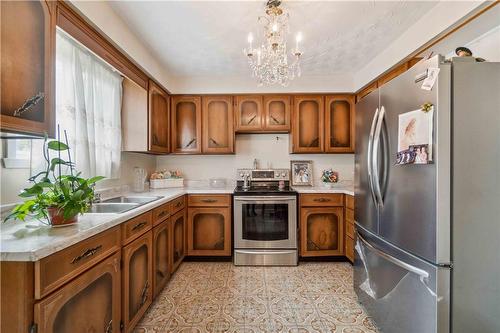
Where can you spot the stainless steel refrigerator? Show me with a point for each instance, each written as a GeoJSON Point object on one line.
{"type": "Point", "coordinates": [427, 254]}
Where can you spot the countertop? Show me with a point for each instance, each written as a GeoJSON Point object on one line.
{"type": "Point", "coordinates": [32, 241]}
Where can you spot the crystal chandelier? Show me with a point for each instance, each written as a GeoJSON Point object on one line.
{"type": "Point", "coordinates": [269, 62]}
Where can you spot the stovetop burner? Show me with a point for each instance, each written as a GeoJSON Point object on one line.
{"type": "Point", "coordinates": [263, 182]}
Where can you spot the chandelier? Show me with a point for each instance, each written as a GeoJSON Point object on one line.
{"type": "Point", "coordinates": [269, 62]}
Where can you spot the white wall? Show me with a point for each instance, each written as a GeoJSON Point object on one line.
{"type": "Point", "coordinates": [266, 148]}
{"type": "Point", "coordinates": [486, 46]}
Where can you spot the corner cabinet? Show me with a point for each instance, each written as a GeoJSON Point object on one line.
{"type": "Point", "coordinates": [308, 124]}
{"type": "Point", "coordinates": [248, 113]}
{"type": "Point", "coordinates": [28, 66]}
{"type": "Point", "coordinates": [277, 113]}
{"type": "Point", "coordinates": [186, 124]}
{"type": "Point", "coordinates": [339, 124]}
{"type": "Point", "coordinates": [159, 116]}
{"type": "Point", "coordinates": [137, 279]}
{"type": "Point", "coordinates": [90, 303]}
{"type": "Point", "coordinates": [177, 239]}
{"type": "Point", "coordinates": [217, 125]}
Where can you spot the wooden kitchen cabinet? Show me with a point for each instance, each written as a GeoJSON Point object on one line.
{"type": "Point", "coordinates": [28, 66]}
{"type": "Point", "coordinates": [217, 125]}
{"type": "Point", "coordinates": [161, 256]}
{"type": "Point", "coordinates": [276, 113]}
{"type": "Point", "coordinates": [248, 113]}
{"type": "Point", "coordinates": [350, 234]}
{"type": "Point", "coordinates": [307, 124]}
{"type": "Point", "coordinates": [209, 231]}
{"type": "Point", "coordinates": [186, 124]}
{"type": "Point", "coordinates": [137, 278]}
{"type": "Point", "coordinates": [159, 119]}
{"type": "Point", "coordinates": [177, 239]}
{"type": "Point", "coordinates": [90, 303]}
{"type": "Point", "coordinates": [322, 232]}
{"type": "Point", "coordinates": [339, 124]}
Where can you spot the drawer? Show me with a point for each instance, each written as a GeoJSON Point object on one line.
{"type": "Point", "coordinates": [177, 204]}
{"type": "Point", "coordinates": [349, 229]}
{"type": "Point", "coordinates": [203, 200]}
{"type": "Point", "coordinates": [349, 215]}
{"type": "Point", "coordinates": [321, 200]}
{"type": "Point", "coordinates": [161, 213]}
{"type": "Point", "coordinates": [137, 226]}
{"type": "Point", "coordinates": [349, 201]}
{"type": "Point", "coordinates": [349, 248]}
{"type": "Point", "coordinates": [55, 270]}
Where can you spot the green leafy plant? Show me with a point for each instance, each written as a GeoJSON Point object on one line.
{"type": "Point", "coordinates": [69, 194]}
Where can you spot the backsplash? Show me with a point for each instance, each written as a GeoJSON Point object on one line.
{"type": "Point", "coordinates": [271, 150]}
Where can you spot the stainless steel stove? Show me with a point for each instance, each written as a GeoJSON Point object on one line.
{"type": "Point", "coordinates": [265, 218]}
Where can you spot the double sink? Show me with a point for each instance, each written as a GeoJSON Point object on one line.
{"type": "Point", "coordinates": [120, 204]}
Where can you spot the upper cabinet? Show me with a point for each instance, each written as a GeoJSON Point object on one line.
{"type": "Point", "coordinates": [159, 115]}
{"type": "Point", "coordinates": [339, 124]}
{"type": "Point", "coordinates": [308, 124]}
{"type": "Point", "coordinates": [248, 113]}
{"type": "Point", "coordinates": [27, 66]}
{"type": "Point", "coordinates": [186, 124]}
{"type": "Point", "coordinates": [277, 113]}
{"type": "Point", "coordinates": [217, 125]}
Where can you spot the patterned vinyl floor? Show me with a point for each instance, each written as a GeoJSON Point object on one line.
{"type": "Point", "coordinates": [220, 297]}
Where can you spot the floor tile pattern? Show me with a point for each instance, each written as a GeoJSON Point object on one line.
{"type": "Point", "coordinates": [220, 297]}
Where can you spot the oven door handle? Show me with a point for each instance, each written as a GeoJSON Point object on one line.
{"type": "Point", "coordinates": [264, 198]}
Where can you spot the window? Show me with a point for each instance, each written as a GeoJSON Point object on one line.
{"type": "Point", "coordinates": [17, 154]}
{"type": "Point", "coordinates": [88, 106]}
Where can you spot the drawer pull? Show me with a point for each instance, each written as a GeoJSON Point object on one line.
{"type": "Point", "coordinates": [144, 294]}
{"type": "Point", "coordinates": [139, 225]}
{"type": "Point", "coordinates": [87, 253]}
{"type": "Point", "coordinates": [162, 213]}
{"type": "Point", "coordinates": [177, 205]}
{"type": "Point", "coordinates": [209, 200]}
{"type": "Point", "coordinates": [322, 200]}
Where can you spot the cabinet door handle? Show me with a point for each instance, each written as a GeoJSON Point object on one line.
{"type": "Point", "coordinates": [321, 200]}
{"type": "Point", "coordinates": [209, 200]}
{"type": "Point", "coordinates": [109, 328]}
{"type": "Point", "coordinates": [215, 142]}
{"type": "Point", "coordinates": [251, 119]}
{"type": "Point", "coordinates": [190, 143]}
{"type": "Point", "coordinates": [155, 139]}
{"type": "Point", "coordinates": [139, 225]}
{"type": "Point", "coordinates": [314, 142]}
{"type": "Point", "coordinates": [274, 119]}
{"type": "Point", "coordinates": [29, 104]}
{"type": "Point", "coordinates": [85, 254]}
{"type": "Point", "coordinates": [144, 294]}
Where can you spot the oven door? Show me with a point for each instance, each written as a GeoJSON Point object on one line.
{"type": "Point", "coordinates": [262, 222]}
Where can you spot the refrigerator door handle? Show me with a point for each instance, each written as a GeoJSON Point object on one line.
{"type": "Point", "coordinates": [369, 155]}
{"type": "Point", "coordinates": [420, 272]}
{"type": "Point", "coordinates": [375, 148]}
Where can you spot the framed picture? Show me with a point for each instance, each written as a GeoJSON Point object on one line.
{"type": "Point", "coordinates": [301, 173]}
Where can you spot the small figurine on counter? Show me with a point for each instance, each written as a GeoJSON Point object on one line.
{"type": "Point", "coordinates": [463, 51]}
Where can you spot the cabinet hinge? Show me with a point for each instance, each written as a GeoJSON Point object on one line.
{"type": "Point", "coordinates": [33, 328]}
{"type": "Point", "coordinates": [121, 325]}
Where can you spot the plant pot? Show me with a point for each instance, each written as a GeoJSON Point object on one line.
{"type": "Point", "coordinates": [57, 219]}
{"type": "Point", "coordinates": [328, 184]}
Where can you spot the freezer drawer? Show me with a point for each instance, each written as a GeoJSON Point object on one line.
{"type": "Point", "coordinates": [401, 292]}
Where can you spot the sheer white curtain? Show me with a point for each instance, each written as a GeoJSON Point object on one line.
{"type": "Point", "coordinates": [88, 105]}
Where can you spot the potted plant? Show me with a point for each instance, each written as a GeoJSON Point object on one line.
{"type": "Point", "coordinates": [329, 177]}
{"type": "Point", "coordinates": [56, 197]}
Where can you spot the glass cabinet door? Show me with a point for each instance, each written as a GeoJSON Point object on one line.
{"type": "Point", "coordinates": [90, 303]}
{"type": "Point", "coordinates": [339, 124]}
{"type": "Point", "coordinates": [178, 243]}
{"type": "Point", "coordinates": [248, 113]}
{"type": "Point", "coordinates": [186, 124]}
{"type": "Point", "coordinates": [218, 133]}
{"type": "Point", "coordinates": [322, 231]}
{"type": "Point", "coordinates": [308, 124]}
{"type": "Point", "coordinates": [161, 256]}
{"type": "Point", "coordinates": [209, 231]}
{"type": "Point", "coordinates": [137, 279]}
{"type": "Point", "coordinates": [159, 125]}
{"type": "Point", "coordinates": [277, 113]}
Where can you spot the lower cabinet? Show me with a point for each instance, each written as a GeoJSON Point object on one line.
{"type": "Point", "coordinates": [137, 279]}
{"type": "Point", "coordinates": [322, 231]}
{"type": "Point", "coordinates": [90, 303]}
{"type": "Point", "coordinates": [177, 239]}
{"type": "Point", "coordinates": [161, 256]}
{"type": "Point", "coordinates": [209, 231]}
{"type": "Point", "coordinates": [350, 231]}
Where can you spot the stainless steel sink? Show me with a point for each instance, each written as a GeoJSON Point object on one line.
{"type": "Point", "coordinates": [102, 208]}
{"type": "Point", "coordinates": [131, 199]}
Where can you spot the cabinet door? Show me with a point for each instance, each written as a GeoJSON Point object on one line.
{"type": "Point", "coordinates": [277, 113]}
{"type": "Point", "coordinates": [248, 113]}
{"type": "Point", "coordinates": [186, 124]}
{"type": "Point", "coordinates": [209, 231]}
{"type": "Point", "coordinates": [218, 133]}
{"type": "Point", "coordinates": [161, 256]}
{"type": "Point", "coordinates": [339, 124]}
{"type": "Point", "coordinates": [90, 303]}
{"type": "Point", "coordinates": [27, 65]}
{"type": "Point", "coordinates": [308, 127]}
{"type": "Point", "coordinates": [137, 279]}
{"type": "Point", "coordinates": [322, 232]}
{"type": "Point", "coordinates": [159, 115]}
{"type": "Point", "coordinates": [178, 239]}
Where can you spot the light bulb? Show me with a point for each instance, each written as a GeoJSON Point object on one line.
{"type": "Point", "coordinates": [275, 27]}
{"type": "Point", "coordinates": [298, 38]}
{"type": "Point", "coordinates": [250, 37]}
